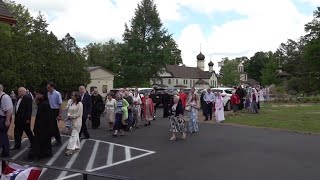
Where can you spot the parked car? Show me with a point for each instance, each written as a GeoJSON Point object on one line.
{"type": "Point", "coordinates": [143, 91]}
{"type": "Point", "coordinates": [114, 92]}
{"type": "Point", "coordinates": [226, 94]}
{"type": "Point", "coordinates": [159, 92]}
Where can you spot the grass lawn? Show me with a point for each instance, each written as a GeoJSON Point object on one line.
{"type": "Point", "coordinates": [296, 117]}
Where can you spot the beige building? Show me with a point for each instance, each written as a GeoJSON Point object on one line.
{"type": "Point", "coordinates": [100, 78]}
{"type": "Point", "coordinates": [183, 76]}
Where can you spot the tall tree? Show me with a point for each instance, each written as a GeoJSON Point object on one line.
{"type": "Point", "coordinates": [268, 74]}
{"type": "Point", "coordinates": [256, 64]}
{"type": "Point", "coordinates": [147, 46]}
{"type": "Point", "coordinates": [313, 28]}
{"type": "Point", "coordinates": [72, 67]}
{"type": "Point", "coordinates": [229, 75]}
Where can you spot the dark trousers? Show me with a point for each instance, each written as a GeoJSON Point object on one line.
{"type": "Point", "coordinates": [130, 119]}
{"type": "Point", "coordinates": [18, 131]}
{"type": "Point", "coordinates": [118, 122]}
{"type": "Point", "coordinates": [95, 120]}
{"type": "Point", "coordinates": [165, 110]}
{"type": "Point", "coordinates": [155, 111]}
{"type": "Point", "coordinates": [209, 111]}
{"type": "Point", "coordinates": [55, 130]}
{"type": "Point", "coordinates": [240, 106]}
{"type": "Point", "coordinates": [84, 129]}
{"type": "Point", "coordinates": [4, 142]}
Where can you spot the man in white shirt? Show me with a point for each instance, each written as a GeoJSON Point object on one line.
{"type": "Point", "coordinates": [209, 100]}
{"type": "Point", "coordinates": [6, 108]}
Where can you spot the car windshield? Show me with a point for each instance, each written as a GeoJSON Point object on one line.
{"type": "Point", "coordinates": [228, 91]}
{"type": "Point", "coordinates": [217, 90]}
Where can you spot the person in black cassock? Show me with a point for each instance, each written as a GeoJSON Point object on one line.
{"type": "Point", "coordinates": [97, 108]}
{"type": "Point", "coordinates": [43, 129]}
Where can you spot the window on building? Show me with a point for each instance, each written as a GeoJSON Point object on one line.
{"type": "Point", "coordinates": [169, 81]}
{"type": "Point", "coordinates": [104, 88]}
{"type": "Point", "coordinates": [186, 81]}
{"type": "Point", "coordinates": [177, 81]}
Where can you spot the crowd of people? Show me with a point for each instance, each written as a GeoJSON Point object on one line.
{"type": "Point", "coordinates": [123, 112]}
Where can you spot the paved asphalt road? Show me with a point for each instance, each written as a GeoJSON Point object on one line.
{"type": "Point", "coordinates": [218, 152]}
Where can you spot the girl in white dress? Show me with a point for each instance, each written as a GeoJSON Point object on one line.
{"type": "Point", "coordinates": [219, 113]}
{"type": "Point", "coordinates": [75, 115]}
{"type": "Point", "coordinates": [110, 111]}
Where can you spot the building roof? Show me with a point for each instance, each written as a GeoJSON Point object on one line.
{"type": "Point", "coordinates": [210, 63]}
{"type": "Point", "coordinates": [282, 74]}
{"type": "Point", "coordinates": [188, 72]}
{"type": "Point", "coordinates": [5, 14]}
{"type": "Point", "coordinates": [251, 82]}
{"type": "Point", "coordinates": [200, 56]}
{"type": "Point", "coordinates": [200, 81]}
{"type": "Point", "coordinates": [91, 68]}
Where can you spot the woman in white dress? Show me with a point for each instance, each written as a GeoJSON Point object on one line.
{"type": "Point", "coordinates": [110, 111]}
{"type": "Point", "coordinates": [219, 113]}
{"type": "Point", "coordinates": [261, 95]}
{"type": "Point", "coordinates": [75, 115]}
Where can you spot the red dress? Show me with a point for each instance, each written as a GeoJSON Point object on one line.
{"type": "Point", "coordinates": [235, 100]}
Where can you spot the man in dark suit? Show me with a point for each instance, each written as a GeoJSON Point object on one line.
{"type": "Point", "coordinates": [22, 118]}
{"type": "Point", "coordinates": [87, 107]}
{"type": "Point", "coordinates": [166, 103]}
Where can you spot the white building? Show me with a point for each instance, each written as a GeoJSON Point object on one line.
{"type": "Point", "coordinates": [244, 80]}
{"type": "Point", "coordinates": [100, 78]}
{"type": "Point", "coordinates": [183, 76]}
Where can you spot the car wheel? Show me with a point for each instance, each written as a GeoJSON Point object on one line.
{"type": "Point", "coordinates": [228, 106]}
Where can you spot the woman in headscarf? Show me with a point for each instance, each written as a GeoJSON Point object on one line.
{"type": "Point", "coordinates": [121, 119]}
{"type": "Point", "coordinates": [176, 119]}
{"type": "Point", "coordinates": [75, 112]}
{"type": "Point", "coordinates": [219, 110]}
{"type": "Point", "coordinates": [148, 110]}
{"type": "Point", "coordinates": [194, 106]}
{"type": "Point", "coordinates": [136, 108]}
{"type": "Point", "coordinates": [42, 130]}
{"type": "Point", "coordinates": [254, 101]}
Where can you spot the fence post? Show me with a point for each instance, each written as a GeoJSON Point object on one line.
{"type": "Point", "coordinates": [85, 176]}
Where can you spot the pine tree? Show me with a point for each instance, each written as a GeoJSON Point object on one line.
{"type": "Point", "coordinates": [147, 48]}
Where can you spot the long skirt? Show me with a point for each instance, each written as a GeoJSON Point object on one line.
{"type": "Point", "coordinates": [219, 115]}
{"type": "Point", "coordinates": [136, 114]}
{"type": "Point", "coordinates": [177, 125]}
{"type": "Point", "coordinates": [254, 107]}
{"type": "Point", "coordinates": [41, 145]}
{"type": "Point", "coordinates": [193, 122]}
{"type": "Point", "coordinates": [110, 116]}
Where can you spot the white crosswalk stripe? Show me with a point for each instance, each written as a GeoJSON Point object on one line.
{"type": "Point", "coordinates": [90, 157]}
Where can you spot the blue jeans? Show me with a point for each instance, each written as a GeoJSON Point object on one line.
{"type": "Point", "coordinates": [118, 122]}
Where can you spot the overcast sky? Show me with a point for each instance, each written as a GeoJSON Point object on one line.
{"type": "Point", "coordinates": [224, 28]}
